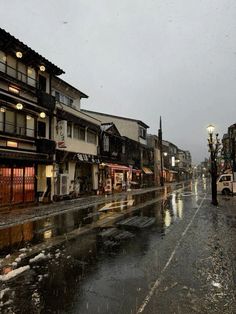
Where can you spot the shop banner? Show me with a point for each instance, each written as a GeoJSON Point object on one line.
{"type": "Point", "coordinates": [88, 158]}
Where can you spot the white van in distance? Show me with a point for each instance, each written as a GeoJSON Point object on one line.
{"type": "Point", "coordinates": [225, 184]}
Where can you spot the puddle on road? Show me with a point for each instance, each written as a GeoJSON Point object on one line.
{"type": "Point", "coordinates": [34, 232]}
{"type": "Point", "coordinates": [59, 274]}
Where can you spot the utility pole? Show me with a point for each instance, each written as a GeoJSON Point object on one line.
{"type": "Point", "coordinates": [161, 152]}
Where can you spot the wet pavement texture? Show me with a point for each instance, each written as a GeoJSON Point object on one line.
{"type": "Point", "coordinates": [184, 262]}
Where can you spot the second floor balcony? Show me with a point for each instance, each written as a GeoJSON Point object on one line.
{"type": "Point", "coordinates": [26, 76]}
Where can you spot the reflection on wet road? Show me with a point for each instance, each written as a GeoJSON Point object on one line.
{"type": "Point", "coordinates": [174, 255]}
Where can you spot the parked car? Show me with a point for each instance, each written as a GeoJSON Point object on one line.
{"type": "Point", "coordinates": [225, 184]}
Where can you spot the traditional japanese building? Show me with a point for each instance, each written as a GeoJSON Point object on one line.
{"type": "Point", "coordinates": [26, 113]}
{"type": "Point", "coordinates": [135, 152]}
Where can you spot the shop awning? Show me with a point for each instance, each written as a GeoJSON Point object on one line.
{"type": "Point", "coordinates": [147, 170]}
{"type": "Point", "coordinates": [118, 167]}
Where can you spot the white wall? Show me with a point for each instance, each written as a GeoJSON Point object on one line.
{"type": "Point", "coordinates": [78, 146]}
{"type": "Point", "coordinates": [126, 128]}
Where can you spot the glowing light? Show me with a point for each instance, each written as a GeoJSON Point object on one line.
{"type": "Point", "coordinates": [42, 115]}
{"type": "Point", "coordinates": [2, 109]}
{"type": "Point", "coordinates": [210, 128]}
{"type": "Point", "coordinates": [12, 144]}
{"type": "Point", "coordinates": [13, 90]}
{"type": "Point", "coordinates": [19, 106]}
{"type": "Point", "coordinates": [19, 54]}
{"type": "Point", "coordinates": [42, 68]}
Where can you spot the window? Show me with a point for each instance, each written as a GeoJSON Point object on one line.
{"type": "Point", "coordinates": [11, 66]}
{"type": "Point", "coordinates": [76, 131]}
{"type": "Point", "coordinates": [2, 61]}
{"type": "Point", "coordinates": [29, 126]}
{"type": "Point", "coordinates": [21, 73]}
{"type": "Point", "coordinates": [225, 178]}
{"type": "Point", "coordinates": [42, 83]}
{"type": "Point", "coordinates": [91, 137]}
{"type": "Point", "coordinates": [20, 123]}
{"type": "Point", "coordinates": [10, 121]}
{"type": "Point", "coordinates": [64, 99]}
{"type": "Point", "coordinates": [41, 129]}
{"type": "Point", "coordinates": [142, 132]}
{"type": "Point", "coordinates": [1, 120]}
{"type": "Point", "coordinates": [105, 143]}
{"type": "Point", "coordinates": [57, 96]}
{"type": "Point", "coordinates": [79, 132]}
{"type": "Point", "coordinates": [31, 76]}
{"type": "Point", "coordinates": [69, 129]}
{"type": "Point", "coordinates": [82, 134]}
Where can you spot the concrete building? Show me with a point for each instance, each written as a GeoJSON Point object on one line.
{"type": "Point", "coordinates": [76, 134]}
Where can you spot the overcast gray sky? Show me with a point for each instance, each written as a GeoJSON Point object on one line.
{"type": "Point", "coordinates": [141, 58]}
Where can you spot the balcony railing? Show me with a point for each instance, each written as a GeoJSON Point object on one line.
{"type": "Point", "coordinates": [7, 69]}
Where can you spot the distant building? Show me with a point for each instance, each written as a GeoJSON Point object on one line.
{"type": "Point", "coordinates": [137, 155]}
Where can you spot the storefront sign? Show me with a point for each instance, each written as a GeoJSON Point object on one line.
{"type": "Point", "coordinates": [61, 133]}
{"type": "Point", "coordinates": [88, 158]}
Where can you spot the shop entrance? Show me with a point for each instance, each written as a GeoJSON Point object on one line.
{"type": "Point", "coordinates": [83, 175]}
{"type": "Point", "coordinates": [17, 185]}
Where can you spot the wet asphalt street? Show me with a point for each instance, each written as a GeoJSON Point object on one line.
{"type": "Point", "coordinates": [183, 262]}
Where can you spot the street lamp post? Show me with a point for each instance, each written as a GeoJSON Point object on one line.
{"type": "Point", "coordinates": [214, 146]}
{"type": "Point", "coordinates": [161, 153]}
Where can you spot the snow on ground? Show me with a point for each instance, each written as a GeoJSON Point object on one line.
{"type": "Point", "coordinates": [22, 255]}
{"type": "Point", "coordinates": [38, 257]}
{"type": "Point", "coordinates": [24, 249]}
{"type": "Point", "coordinates": [14, 273]}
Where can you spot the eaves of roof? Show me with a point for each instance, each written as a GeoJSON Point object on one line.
{"type": "Point", "coordinates": [11, 43]}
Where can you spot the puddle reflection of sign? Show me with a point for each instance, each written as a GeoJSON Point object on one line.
{"type": "Point", "coordinates": [61, 144]}
{"type": "Point", "coordinates": [108, 185]}
{"type": "Point", "coordinates": [116, 205]}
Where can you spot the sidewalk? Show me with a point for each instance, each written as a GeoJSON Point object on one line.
{"type": "Point", "coordinates": [14, 216]}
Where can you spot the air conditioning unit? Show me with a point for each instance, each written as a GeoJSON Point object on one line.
{"type": "Point", "coordinates": [62, 184]}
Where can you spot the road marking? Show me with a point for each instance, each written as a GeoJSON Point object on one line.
{"type": "Point", "coordinates": [158, 281]}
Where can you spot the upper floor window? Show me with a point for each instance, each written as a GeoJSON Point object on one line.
{"type": "Point", "coordinates": [17, 69]}
{"type": "Point", "coordinates": [91, 137]}
{"type": "Point", "coordinates": [79, 132]}
{"type": "Point", "coordinates": [41, 129]}
{"type": "Point", "coordinates": [11, 66]}
{"type": "Point", "coordinates": [69, 129]}
{"type": "Point", "coordinates": [63, 98]}
{"type": "Point", "coordinates": [142, 133]}
{"type": "Point", "coordinates": [42, 83]}
{"type": "Point", "coordinates": [1, 121]}
{"type": "Point", "coordinates": [3, 60]}
{"type": "Point", "coordinates": [17, 123]}
{"type": "Point", "coordinates": [22, 73]}
{"type": "Point", "coordinates": [105, 143]}
{"type": "Point", "coordinates": [31, 76]}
